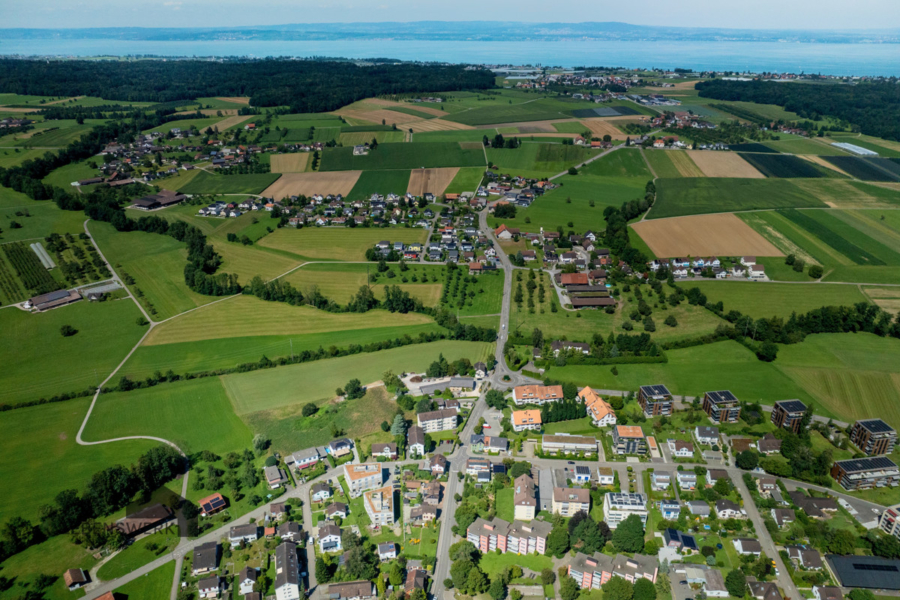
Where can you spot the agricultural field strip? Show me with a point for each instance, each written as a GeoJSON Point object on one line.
{"type": "Point", "coordinates": [850, 242]}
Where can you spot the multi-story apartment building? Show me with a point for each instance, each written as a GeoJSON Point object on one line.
{"type": "Point", "coordinates": [379, 505]}
{"type": "Point", "coordinates": [592, 571]}
{"type": "Point", "coordinates": [287, 572]}
{"type": "Point", "coordinates": [865, 473]}
{"type": "Point", "coordinates": [537, 394]}
{"type": "Point", "coordinates": [524, 499]}
{"type": "Point", "coordinates": [437, 420]}
{"type": "Point", "coordinates": [873, 436]}
{"type": "Point", "coordinates": [788, 414]}
{"type": "Point", "coordinates": [568, 501]}
{"type": "Point", "coordinates": [525, 420]}
{"type": "Point", "coordinates": [564, 443]}
{"type": "Point", "coordinates": [655, 400]}
{"type": "Point", "coordinates": [599, 410]}
{"type": "Point", "coordinates": [515, 537]}
{"type": "Point", "coordinates": [618, 506]}
{"type": "Point", "coordinates": [362, 477]}
{"type": "Point", "coordinates": [890, 521]}
{"type": "Point", "coordinates": [629, 439]}
{"type": "Point", "coordinates": [722, 407]}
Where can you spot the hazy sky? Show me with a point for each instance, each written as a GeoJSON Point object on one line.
{"type": "Point", "coordinates": [755, 14]}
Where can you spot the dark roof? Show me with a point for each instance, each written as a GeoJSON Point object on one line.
{"type": "Point", "coordinates": [49, 297]}
{"type": "Point", "coordinates": [875, 425]}
{"type": "Point", "coordinates": [854, 465]}
{"type": "Point", "coordinates": [791, 406]}
{"type": "Point", "coordinates": [287, 569]}
{"type": "Point", "coordinates": [722, 396]}
{"type": "Point", "coordinates": [206, 557]}
{"type": "Point", "coordinates": [655, 390]}
{"type": "Point", "coordinates": [866, 571]}
{"type": "Point", "coordinates": [601, 301]}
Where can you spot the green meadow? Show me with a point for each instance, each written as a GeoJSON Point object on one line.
{"type": "Point", "coordinates": [379, 182]}
{"type": "Point", "coordinates": [207, 183]}
{"type": "Point", "coordinates": [467, 180]}
{"type": "Point", "coordinates": [776, 299]}
{"type": "Point", "coordinates": [701, 195]}
{"type": "Point", "coordinates": [153, 586]}
{"type": "Point", "coordinates": [403, 156]}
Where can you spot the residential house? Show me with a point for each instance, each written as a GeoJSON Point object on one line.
{"type": "Point", "coordinates": [656, 400]}
{"type": "Point", "coordinates": [565, 443]}
{"type": "Point", "coordinates": [320, 492]}
{"type": "Point", "coordinates": [816, 508]}
{"type": "Point", "coordinates": [687, 480]}
{"type": "Point", "coordinates": [339, 448]}
{"type": "Point", "coordinates": [246, 579]}
{"type": "Point", "coordinates": [618, 506]}
{"type": "Point", "coordinates": [431, 493]}
{"type": "Point", "coordinates": [766, 485]}
{"type": "Point", "coordinates": [362, 477]}
{"type": "Point", "coordinates": [337, 509]}
{"type": "Point", "coordinates": [387, 551]}
{"type": "Point", "coordinates": [679, 540]}
{"type": "Point", "coordinates": [592, 571]}
{"type": "Point", "coordinates": [805, 558]}
{"type": "Point", "coordinates": [437, 420]}
{"type": "Point", "coordinates": [423, 514]}
{"type": "Point", "coordinates": [788, 414]}
{"type": "Point", "coordinates": [865, 473]}
{"type": "Point", "coordinates": [747, 546]}
{"type": "Point", "coordinates": [670, 509]}
{"type": "Point", "coordinates": [415, 440]}
{"type": "Point", "coordinates": [329, 538]}
{"type": "Point", "coordinates": [478, 466]}
{"type": "Point", "coordinates": [210, 587]}
{"type": "Point", "coordinates": [75, 578]}
{"type": "Point", "coordinates": [698, 508]}
{"type": "Point", "coordinates": [606, 476]}
{"type": "Point", "coordinates": [278, 510]}
{"type": "Point", "coordinates": [524, 498]}
{"type": "Point", "coordinates": [722, 407]}
{"type": "Point", "coordinates": [768, 444]}
{"type": "Point", "coordinates": [568, 501]}
{"type": "Point", "coordinates": [206, 559]}
{"type": "Point", "coordinates": [681, 449]}
{"type": "Point", "coordinates": [537, 394]}
{"type": "Point", "coordinates": [526, 420]}
{"type": "Point", "coordinates": [379, 505]}
{"type": "Point", "coordinates": [660, 480]}
{"type": "Point", "coordinates": [275, 477]}
{"type": "Point", "coordinates": [384, 450]}
{"type": "Point", "coordinates": [438, 464]}
{"type": "Point", "coordinates": [827, 592]}
{"type": "Point", "coordinates": [287, 572]}
{"type": "Point", "coordinates": [726, 509]}
{"type": "Point", "coordinates": [289, 530]}
{"type": "Point", "coordinates": [714, 475]}
{"type": "Point", "coordinates": [243, 533]}
{"type": "Point", "coordinates": [873, 436]}
{"type": "Point", "coordinates": [416, 579]}
{"type": "Point", "coordinates": [763, 590]}
{"type": "Point", "coordinates": [598, 409]}
{"type": "Point", "coordinates": [629, 439]}
{"type": "Point", "coordinates": [516, 537]}
{"type": "Point", "coordinates": [352, 590]}
{"type": "Point", "coordinates": [707, 435]}
{"type": "Point", "coordinates": [783, 516]}
{"type": "Point", "coordinates": [488, 443]}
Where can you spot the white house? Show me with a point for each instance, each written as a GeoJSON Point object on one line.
{"type": "Point", "coordinates": [706, 435]}
{"type": "Point", "coordinates": [726, 509]}
{"type": "Point", "coordinates": [329, 538]}
{"type": "Point", "coordinates": [246, 580]}
{"type": "Point", "coordinates": [210, 587]}
{"type": "Point", "coordinates": [681, 449]}
{"type": "Point", "coordinates": [747, 546]}
{"type": "Point", "coordinates": [320, 492]}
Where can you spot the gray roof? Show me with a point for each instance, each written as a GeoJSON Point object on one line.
{"type": "Point", "coordinates": [244, 530]}
{"type": "Point", "coordinates": [866, 571]}
{"type": "Point", "coordinates": [287, 568]}
{"type": "Point", "coordinates": [206, 557]}
{"type": "Point", "coordinates": [415, 435]}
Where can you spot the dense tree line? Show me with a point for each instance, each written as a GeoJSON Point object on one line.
{"type": "Point", "coordinates": [872, 108]}
{"type": "Point", "coordinates": [616, 235]}
{"type": "Point", "coordinates": [303, 85]}
{"type": "Point", "coordinates": [107, 491]}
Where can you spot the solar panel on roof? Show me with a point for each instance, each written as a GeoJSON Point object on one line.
{"type": "Point", "coordinates": [656, 390]}
{"type": "Point", "coordinates": [792, 405]}
{"type": "Point", "coordinates": [876, 425]}
{"type": "Point", "coordinates": [863, 464]}
{"type": "Point", "coordinates": [722, 396]}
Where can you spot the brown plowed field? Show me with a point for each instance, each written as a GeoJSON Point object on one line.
{"type": "Point", "coordinates": [389, 103]}
{"type": "Point", "coordinates": [703, 235]}
{"type": "Point", "coordinates": [329, 182]}
{"type": "Point", "coordinates": [434, 181]}
{"type": "Point", "coordinates": [723, 164]}
{"type": "Point", "coordinates": [601, 127]}
{"type": "Point", "coordinates": [289, 163]}
{"type": "Point", "coordinates": [236, 99]}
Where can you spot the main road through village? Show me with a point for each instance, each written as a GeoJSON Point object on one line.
{"type": "Point", "coordinates": [502, 379]}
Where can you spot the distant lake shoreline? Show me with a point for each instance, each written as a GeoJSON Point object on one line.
{"type": "Point", "coordinates": [825, 58]}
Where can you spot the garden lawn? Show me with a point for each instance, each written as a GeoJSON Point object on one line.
{"type": "Point", "coordinates": [317, 381]}
{"type": "Point", "coordinates": [337, 243]}
{"type": "Point", "coordinates": [403, 156]}
{"type": "Point", "coordinates": [504, 502]}
{"type": "Point", "coordinates": [207, 183]}
{"type": "Point", "coordinates": [493, 564]}
{"type": "Point", "coordinates": [775, 299]}
{"type": "Point", "coordinates": [52, 428]}
{"type": "Point", "coordinates": [379, 182]}
{"type": "Point", "coordinates": [42, 363]}
{"type": "Point", "coordinates": [138, 554]}
{"type": "Point", "coordinates": [51, 557]}
{"type": "Point", "coordinates": [702, 195]}
{"type": "Point", "coordinates": [155, 585]}
{"type": "Point", "coordinates": [172, 411]}
{"type": "Point", "coordinates": [156, 262]}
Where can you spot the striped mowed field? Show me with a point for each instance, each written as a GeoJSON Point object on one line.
{"type": "Point", "coordinates": [337, 243]}
{"type": "Point", "coordinates": [289, 163]}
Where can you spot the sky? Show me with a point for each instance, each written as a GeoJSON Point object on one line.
{"type": "Point", "coordinates": [753, 14]}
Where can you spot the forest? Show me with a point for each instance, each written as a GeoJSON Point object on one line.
{"type": "Point", "coordinates": [872, 108]}
{"type": "Point", "coordinates": [303, 85]}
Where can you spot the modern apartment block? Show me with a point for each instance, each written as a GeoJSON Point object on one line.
{"type": "Point", "coordinates": [722, 407]}
{"type": "Point", "coordinates": [524, 498]}
{"type": "Point", "coordinates": [656, 400]}
{"type": "Point", "coordinates": [873, 436]}
{"type": "Point", "coordinates": [379, 505]}
{"type": "Point", "coordinates": [592, 571]}
{"type": "Point", "coordinates": [362, 477]}
{"type": "Point", "coordinates": [865, 473]}
{"type": "Point", "coordinates": [629, 439]}
{"type": "Point", "coordinates": [515, 537]}
{"type": "Point", "coordinates": [788, 414]}
{"type": "Point", "coordinates": [437, 420]}
{"type": "Point", "coordinates": [618, 506]}
{"type": "Point", "coordinates": [890, 521]}
{"type": "Point", "coordinates": [568, 501]}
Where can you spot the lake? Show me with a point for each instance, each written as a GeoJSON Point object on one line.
{"type": "Point", "coordinates": [828, 59]}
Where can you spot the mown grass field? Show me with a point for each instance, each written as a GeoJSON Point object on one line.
{"type": "Point", "coordinates": [38, 219]}
{"type": "Point", "coordinates": [172, 411]}
{"type": "Point", "coordinates": [317, 381]}
{"type": "Point", "coordinates": [66, 133]}
{"type": "Point", "coordinates": [764, 300]}
{"type": "Point", "coordinates": [207, 183]}
{"type": "Point", "coordinates": [337, 243]}
{"type": "Point", "coordinates": [662, 164]}
{"type": "Point", "coordinates": [625, 162]}
{"type": "Point", "coordinates": [152, 586]}
{"type": "Point", "coordinates": [694, 196]}
{"type": "Point", "coordinates": [65, 175]}
{"type": "Point", "coordinates": [462, 135]}
{"type": "Point", "coordinates": [15, 157]}
{"type": "Point", "coordinates": [51, 557]}
{"type": "Point", "coordinates": [799, 145]}
{"type": "Point", "coordinates": [467, 180]}
{"type": "Point", "coordinates": [156, 262]}
{"type": "Point", "coordinates": [365, 137]}
{"type": "Point", "coordinates": [42, 363]}
{"type": "Point", "coordinates": [529, 110]}
{"type": "Point", "coordinates": [403, 156]}
{"type": "Point", "coordinates": [379, 182]}
{"type": "Point", "coordinates": [849, 236]}
{"type": "Point", "coordinates": [137, 554]}
{"type": "Point", "coordinates": [548, 159]}
{"type": "Point", "coordinates": [261, 318]}
{"type": "Point", "coordinates": [52, 429]}
{"type": "Point", "coordinates": [340, 281]}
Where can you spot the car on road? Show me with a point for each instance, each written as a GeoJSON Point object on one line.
{"type": "Point", "coordinates": [571, 462]}
{"type": "Point", "coordinates": [503, 326]}
{"type": "Point", "coordinates": [485, 426]}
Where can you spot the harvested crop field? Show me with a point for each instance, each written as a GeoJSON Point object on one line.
{"type": "Point", "coordinates": [289, 163]}
{"type": "Point", "coordinates": [724, 164]}
{"type": "Point", "coordinates": [433, 181]}
{"type": "Point", "coordinates": [824, 163]}
{"type": "Point", "coordinates": [294, 184]}
{"type": "Point", "coordinates": [684, 164]}
{"type": "Point", "coordinates": [377, 116]}
{"type": "Point", "coordinates": [236, 99]}
{"type": "Point", "coordinates": [601, 127]}
{"type": "Point", "coordinates": [232, 121]}
{"type": "Point", "coordinates": [703, 235]}
{"type": "Point", "coordinates": [436, 125]}
{"type": "Point", "coordinates": [415, 106]}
